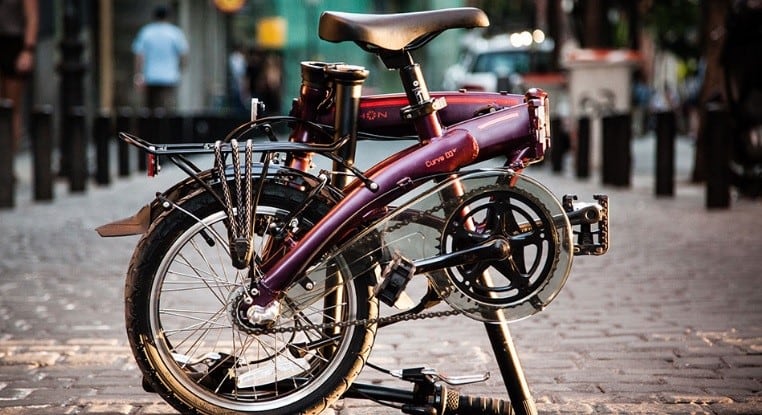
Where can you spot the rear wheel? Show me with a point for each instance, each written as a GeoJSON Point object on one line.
{"type": "Point", "coordinates": [196, 348]}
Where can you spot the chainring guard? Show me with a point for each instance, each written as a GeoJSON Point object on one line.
{"type": "Point", "coordinates": [494, 203]}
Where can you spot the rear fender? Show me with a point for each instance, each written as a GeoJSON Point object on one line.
{"type": "Point", "coordinates": [139, 223]}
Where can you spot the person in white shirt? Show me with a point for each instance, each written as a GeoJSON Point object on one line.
{"type": "Point", "coordinates": [161, 51]}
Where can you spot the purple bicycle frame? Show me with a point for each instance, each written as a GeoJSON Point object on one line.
{"type": "Point", "coordinates": [518, 133]}
{"type": "Point", "coordinates": [380, 114]}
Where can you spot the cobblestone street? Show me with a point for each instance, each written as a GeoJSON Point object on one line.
{"type": "Point", "coordinates": [669, 321]}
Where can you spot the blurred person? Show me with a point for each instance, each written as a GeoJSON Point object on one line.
{"type": "Point", "coordinates": [265, 76]}
{"type": "Point", "coordinates": [238, 88]}
{"type": "Point", "coordinates": [161, 51]}
{"type": "Point", "coordinates": [19, 22]}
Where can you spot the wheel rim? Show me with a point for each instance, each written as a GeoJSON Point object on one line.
{"type": "Point", "coordinates": [187, 327]}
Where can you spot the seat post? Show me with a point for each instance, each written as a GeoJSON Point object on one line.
{"type": "Point", "coordinates": [422, 109]}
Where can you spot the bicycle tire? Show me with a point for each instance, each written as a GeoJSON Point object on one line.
{"type": "Point", "coordinates": [161, 326]}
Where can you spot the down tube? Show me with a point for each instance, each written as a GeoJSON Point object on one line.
{"type": "Point", "coordinates": [453, 150]}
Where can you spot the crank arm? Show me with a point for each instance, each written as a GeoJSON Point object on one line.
{"type": "Point", "coordinates": [492, 250]}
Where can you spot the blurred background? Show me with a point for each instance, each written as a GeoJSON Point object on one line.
{"type": "Point", "coordinates": [593, 56]}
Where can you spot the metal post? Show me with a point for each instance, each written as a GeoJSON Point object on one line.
{"type": "Point", "coordinates": [558, 147]}
{"type": "Point", "coordinates": [41, 131]}
{"type": "Point", "coordinates": [7, 181]}
{"type": "Point", "coordinates": [77, 150]}
{"type": "Point", "coordinates": [176, 127]}
{"type": "Point", "coordinates": [665, 153]}
{"type": "Point", "coordinates": [718, 157]}
{"type": "Point", "coordinates": [123, 124]}
{"type": "Point", "coordinates": [147, 131]}
{"type": "Point", "coordinates": [72, 71]}
{"type": "Point", "coordinates": [617, 163]}
{"type": "Point", "coordinates": [583, 148]}
{"type": "Point", "coordinates": [102, 135]}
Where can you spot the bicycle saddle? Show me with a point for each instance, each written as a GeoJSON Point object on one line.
{"type": "Point", "coordinates": [396, 31]}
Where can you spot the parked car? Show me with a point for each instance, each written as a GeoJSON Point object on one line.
{"type": "Point", "coordinates": [511, 63]}
{"type": "Point", "coordinates": [514, 63]}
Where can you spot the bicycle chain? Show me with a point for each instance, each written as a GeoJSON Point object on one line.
{"type": "Point", "coordinates": [367, 322]}
{"type": "Point", "coordinates": [388, 319]}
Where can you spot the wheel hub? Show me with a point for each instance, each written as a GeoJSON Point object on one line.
{"type": "Point", "coordinates": [249, 317]}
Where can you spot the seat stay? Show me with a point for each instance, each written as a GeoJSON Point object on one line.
{"type": "Point", "coordinates": [396, 31]}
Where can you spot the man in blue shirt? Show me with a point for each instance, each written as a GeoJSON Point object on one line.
{"type": "Point", "coordinates": [160, 53]}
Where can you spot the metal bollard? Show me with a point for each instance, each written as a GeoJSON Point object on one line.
{"type": "Point", "coordinates": [665, 153]}
{"type": "Point", "coordinates": [583, 148]}
{"type": "Point", "coordinates": [176, 128]}
{"type": "Point", "coordinates": [617, 157]}
{"type": "Point", "coordinates": [102, 135]}
{"type": "Point", "coordinates": [78, 170]}
{"type": "Point", "coordinates": [147, 131]}
{"type": "Point", "coordinates": [718, 139]}
{"type": "Point", "coordinates": [123, 124]}
{"type": "Point", "coordinates": [41, 131]}
{"type": "Point", "coordinates": [559, 147]}
{"type": "Point", "coordinates": [7, 181]}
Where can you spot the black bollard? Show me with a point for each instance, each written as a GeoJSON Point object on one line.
{"type": "Point", "coordinates": [718, 140]}
{"type": "Point", "coordinates": [7, 153]}
{"type": "Point", "coordinates": [41, 131]}
{"type": "Point", "coordinates": [617, 159]}
{"type": "Point", "coordinates": [102, 135]}
{"type": "Point", "coordinates": [583, 148]}
{"type": "Point", "coordinates": [161, 126]}
{"type": "Point", "coordinates": [147, 131]}
{"type": "Point", "coordinates": [78, 171]}
{"type": "Point", "coordinates": [558, 147]}
{"type": "Point", "coordinates": [123, 124]}
{"type": "Point", "coordinates": [176, 128]}
{"type": "Point", "coordinates": [665, 153]}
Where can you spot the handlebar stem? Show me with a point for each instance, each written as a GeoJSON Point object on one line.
{"type": "Point", "coordinates": [348, 82]}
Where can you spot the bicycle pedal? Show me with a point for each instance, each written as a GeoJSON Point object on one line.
{"type": "Point", "coordinates": [590, 224]}
{"type": "Point", "coordinates": [432, 375]}
{"type": "Point", "coordinates": [395, 277]}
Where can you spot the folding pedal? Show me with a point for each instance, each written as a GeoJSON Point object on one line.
{"type": "Point", "coordinates": [590, 224]}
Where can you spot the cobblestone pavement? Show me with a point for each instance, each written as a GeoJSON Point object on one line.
{"type": "Point", "coordinates": [669, 321]}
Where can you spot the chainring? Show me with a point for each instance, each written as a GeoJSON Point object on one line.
{"type": "Point", "coordinates": [524, 213]}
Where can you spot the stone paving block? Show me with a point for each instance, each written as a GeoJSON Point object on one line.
{"type": "Point", "coordinates": [570, 408]}
{"type": "Point", "coordinates": [613, 408]}
{"type": "Point", "coordinates": [33, 359]}
{"type": "Point", "coordinates": [40, 410]}
{"type": "Point", "coordinates": [736, 409]}
{"type": "Point", "coordinates": [104, 409]}
{"type": "Point", "coordinates": [700, 399]}
{"type": "Point", "coordinates": [156, 409]}
{"type": "Point", "coordinates": [744, 360]}
{"type": "Point", "coordinates": [742, 372]}
{"type": "Point", "coordinates": [709, 383]}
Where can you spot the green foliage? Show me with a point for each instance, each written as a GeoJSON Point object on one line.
{"type": "Point", "coordinates": [676, 26]}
